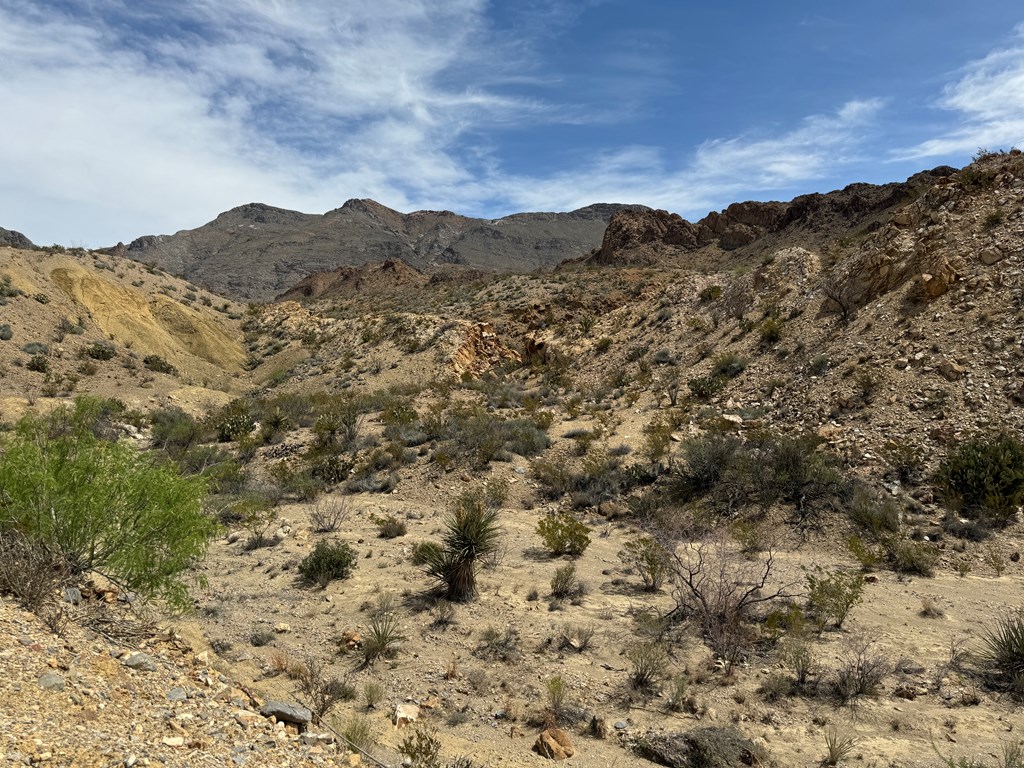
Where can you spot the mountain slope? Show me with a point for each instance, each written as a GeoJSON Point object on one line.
{"type": "Point", "coordinates": [256, 251]}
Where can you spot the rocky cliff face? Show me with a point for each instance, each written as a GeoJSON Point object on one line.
{"type": "Point", "coordinates": [753, 228]}
{"type": "Point", "coordinates": [257, 251]}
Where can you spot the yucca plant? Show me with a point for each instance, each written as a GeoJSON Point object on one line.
{"type": "Point", "coordinates": [1002, 649]}
{"type": "Point", "coordinates": [472, 532]}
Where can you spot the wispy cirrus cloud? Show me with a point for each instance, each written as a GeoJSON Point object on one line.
{"type": "Point", "coordinates": [126, 118]}
{"type": "Point", "coordinates": [717, 170]}
{"type": "Point", "coordinates": [988, 101]}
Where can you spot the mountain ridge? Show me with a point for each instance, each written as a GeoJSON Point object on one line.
{"type": "Point", "coordinates": [258, 251]}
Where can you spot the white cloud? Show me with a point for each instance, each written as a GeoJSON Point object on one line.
{"type": "Point", "coordinates": [719, 169]}
{"type": "Point", "coordinates": [988, 100]}
{"type": "Point", "coordinates": [111, 131]}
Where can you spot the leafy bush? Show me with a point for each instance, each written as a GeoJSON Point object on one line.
{"type": "Point", "coordinates": [563, 534]}
{"type": "Point", "coordinates": [157, 364]}
{"type": "Point", "coordinates": [648, 558]}
{"type": "Point", "coordinates": [771, 330]}
{"type": "Point", "coordinates": [566, 585]}
{"type": "Point", "coordinates": [389, 526]}
{"type": "Point", "coordinates": [102, 505]}
{"type": "Point", "coordinates": [5, 332]}
{"type": "Point", "coordinates": [914, 557]}
{"type": "Point", "coordinates": [706, 387]}
{"type": "Point", "coordinates": [38, 363]}
{"type": "Point", "coordinates": [729, 364]}
{"type": "Point", "coordinates": [233, 421]}
{"type": "Point", "coordinates": [983, 478]}
{"type": "Point", "coordinates": [36, 348]}
{"type": "Point", "coordinates": [649, 660]}
{"type": "Point", "coordinates": [328, 561]}
{"type": "Point", "coordinates": [831, 597]}
{"type": "Point", "coordinates": [100, 351]}
{"type": "Point", "coordinates": [710, 293]}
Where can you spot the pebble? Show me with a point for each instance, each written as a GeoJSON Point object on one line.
{"type": "Point", "coordinates": [177, 694]}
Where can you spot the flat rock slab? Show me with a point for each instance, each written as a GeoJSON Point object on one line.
{"type": "Point", "coordinates": [287, 713]}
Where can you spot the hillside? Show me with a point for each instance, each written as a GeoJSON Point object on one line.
{"type": "Point", "coordinates": [78, 323]}
{"type": "Point", "coordinates": [756, 418]}
{"type": "Point", "coordinates": [257, 252]}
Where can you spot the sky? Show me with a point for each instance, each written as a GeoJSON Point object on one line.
{"type": "Point", "coordinates": [120, 118]}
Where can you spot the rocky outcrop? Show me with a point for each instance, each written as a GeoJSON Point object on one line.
{"type": "Point", "coordinates": [648, 237]}
{"type": "Point", "coordinates": [15, 239]}
{"type": "Point", "coordinates": [385, 277]}
{"type": "Point", "coordinates": [481, 350]}
{"type": "Point", "coordinates": [554, 744]}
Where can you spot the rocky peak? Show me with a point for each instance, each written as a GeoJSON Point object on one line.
{"type": "Point", "coordinates": [15, 239]}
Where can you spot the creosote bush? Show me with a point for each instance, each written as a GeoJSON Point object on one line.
{"type": "Point", "coordinates": [328, 561]}
{"type": "Point", "coordinates": [831, 596]}
{"type": "Point", "coordinates": [102, 505]}
{"type": "Point", "coordinates": [563, 534]}
{"type": "Point", "coordinates": [649, 559]}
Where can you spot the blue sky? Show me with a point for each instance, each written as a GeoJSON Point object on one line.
{"type": "Point", "coordinates": [129, 117]}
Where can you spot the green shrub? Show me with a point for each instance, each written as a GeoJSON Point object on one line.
{"type": "Point", "coordinates": [983, 478]}
{"type": "Point", "coordinates": [649, 661]}
{"type": "Point", "coordinates": [832, 596]}
{"type": "Point", "coordinates": [912, 557]}
{"type": "Point", "coordinates": [706, 387]}
{"type": "Point", "coordinates": [175, 431]}
{"type": "Point", "coordinates": [563, 534]}
{"type": "Point", "coordinates": [771, 330]}
{"type": "Point", "coordinates": [705, 461]}
{"type": "Point", "coordinates": [389, 526]}
{"type": "Point", "coordinates": [5, 332]}
{"type": "Point", "coordinates": [157, 364]}
{"type": "Point", "coordinates": [328, 561]}
{"type": "Point", "coordinates": [233, 421]}
{"type": "Point", "coordinates": [819, 365]}
{"type": "Point", "coordinates": [710, 293]}
{"type": "Point", "coordinates": [103, 505]}
{"type": "Point", "coordinates": [566, 585]}
{"type": "Point", "coordinates": [38, 363]}
{"type": "Point", "coordinates": [603, 345]}
{"type": "Point", "coordinates": [101, 350]}
{"type": "Point", "coordinates": [36, 348]}
{"type": "Point", "coordinates": [648, 558]}
{"type": "Point", "coordinates": [729, 364]}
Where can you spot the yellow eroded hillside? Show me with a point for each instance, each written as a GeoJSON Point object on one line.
{"type": "Point", "coordinates": [157, 326]}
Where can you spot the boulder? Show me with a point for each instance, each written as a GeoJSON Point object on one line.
{"type": "Point", "coordinates": [139, 661]}
{"type": "Point", "coordinates": [554, 744]}
{"type": "Point", "coordinates": [287, 713]}
{"type": "Point", "coordinates": [406, 714]}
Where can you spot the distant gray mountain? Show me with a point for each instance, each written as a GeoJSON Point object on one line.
{"type": "Point", "coordinates": [15, 239]}
{"type": "Point", "coordinates": [256, 251]}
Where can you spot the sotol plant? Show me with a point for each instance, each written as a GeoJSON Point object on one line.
{"type": "Point", "coordinates": [472, 533]}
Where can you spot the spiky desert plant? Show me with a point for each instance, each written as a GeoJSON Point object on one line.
{"type": "Point", "coordinates": [472, 532]}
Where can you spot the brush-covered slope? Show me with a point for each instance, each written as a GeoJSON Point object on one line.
{"type": "Point", "coordinates": [74, 322]}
